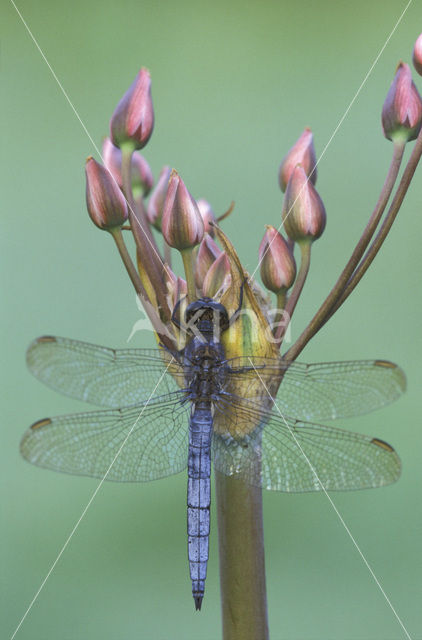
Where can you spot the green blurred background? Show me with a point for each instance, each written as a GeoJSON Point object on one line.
{"type": "Point", "coordinates": [234, 84]}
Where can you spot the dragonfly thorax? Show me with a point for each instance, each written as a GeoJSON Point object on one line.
{"type": "Point", "coordinates": [205, 369]}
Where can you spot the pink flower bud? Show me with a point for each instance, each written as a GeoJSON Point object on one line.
{"type": "Point", "coordinates": [277, 264]}
{"type": "Point", "coordinates": [417, 55]}
{"type": "Point", "coordinates": [302, 152]}
{"type": "Point", "coordinates": [105, 202]}
{"type": "Point", "coordinates": [303, 211]}
{"type": "Point", "coordinates": [207, 214]}
{"type": "Point", "coordinates": [156, 200]}
{"type": "Point", "coordinates": [142, 179]}
{"type": "Point", "coordinates": [208, 253]}
{"type": "Point", "coordinates": [218, 277]}
{"type": "Point", "coordinates": [133, 118]}
{"type": "Point", "coordinates": [181, 225]}
{"type": "Point", "coordinates": [402, 110]}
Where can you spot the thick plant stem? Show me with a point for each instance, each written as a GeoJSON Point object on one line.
{"type": "Point", "coordinates": [242, 563]}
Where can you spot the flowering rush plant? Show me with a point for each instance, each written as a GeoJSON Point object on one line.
{"type": "Point", "coordinates": [117, 193]}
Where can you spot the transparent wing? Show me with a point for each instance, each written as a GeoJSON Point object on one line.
{"type": "Point", "coordinates": [102, 376]}
{"type": "Point", "coordinates": [87, 443]}
{"type": "Point", "coordinates": [324, 391]}
{"type": "Point", "coordinates": [284, 454]}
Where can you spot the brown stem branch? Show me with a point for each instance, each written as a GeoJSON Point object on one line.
{"type": "Point", "coordinates": [325, 310]}
{"type": "Point", "coordinates": [386, 225]}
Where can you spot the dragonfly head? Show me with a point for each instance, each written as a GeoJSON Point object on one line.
{"type": "Point", "coordinates": [205, 313]}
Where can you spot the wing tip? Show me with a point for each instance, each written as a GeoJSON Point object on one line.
{"type": "Point", "coordinates": [401, 376]}
{"type": "Point", "coordinates": [35, 343]}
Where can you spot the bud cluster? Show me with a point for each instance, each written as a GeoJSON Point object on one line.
{"type": "Point", "coordinates": [116, 194]}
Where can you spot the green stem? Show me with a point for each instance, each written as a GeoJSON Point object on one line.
{"type": "Point", "coordinates": [281, 300]}
{"type": "Point", "coordinates": [190, 277]}
{"type": "Point", "coordinates": [305, 261]}
{"type": "Point", "coordinates": [242, 560]}
{"type": "Point", "coordinates": [325, 310]}
{"type": "Point", "coordinates": [139, 287]}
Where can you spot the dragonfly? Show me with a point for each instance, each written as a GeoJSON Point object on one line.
{"type": "Point", "coordinates": [171, 410]}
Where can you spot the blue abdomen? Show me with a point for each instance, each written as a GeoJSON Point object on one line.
{"type": "Point", "coordinates": [199, 496]}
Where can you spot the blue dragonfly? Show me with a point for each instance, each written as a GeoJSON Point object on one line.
{"type": "Point", "coordinates": [168, 410]}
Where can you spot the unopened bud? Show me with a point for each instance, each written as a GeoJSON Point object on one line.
{"type": "Point", "coordinates": [218, 277]}
{"type": "Point", "coordinates": [417, 55]}
{"type": "Point", "coordinates": [142, 179]}
{"type": "Point", "coordinates": [207, 214]}
{"type": "Point", "coordinates": [208, 253]}
{"type": "Point", "coordinates": [157, 197]}
{"type": "Point", "coordinates": [105, 202]}
{"type": "Point", "coordinates": [277, 263]}
{"type": "Point", "coordinates": [181, 225]}
{"type": "Point", "coordinates": [303, 211]}
{"type": "Point", "coordinates": [402, 110]}
{"type": "Point", "coordinates": [302, 152]}
{"type": "Point", "coordinates": [133, 118]}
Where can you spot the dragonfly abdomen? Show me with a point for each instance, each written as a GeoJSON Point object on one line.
{"type": "Point", "coordinates": [199, 496]}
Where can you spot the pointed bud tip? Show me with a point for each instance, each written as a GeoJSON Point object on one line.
{"type": "Point", "coordinates": [302, 152]}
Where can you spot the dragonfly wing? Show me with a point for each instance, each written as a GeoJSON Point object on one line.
{"type": "Point", "coordinates": [135, 444]}
{"type": "Point", "coordinates": [324, 391]}
{"type": "Point", "coordinates": [291, 455]}
{"type": "Point", "coordinates": [102, 376]}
